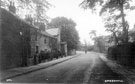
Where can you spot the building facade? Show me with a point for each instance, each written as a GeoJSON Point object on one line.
{"type": "Point", "coordinates": [61, 46]}
{"type": "Point", "coordinates": [21, 42]}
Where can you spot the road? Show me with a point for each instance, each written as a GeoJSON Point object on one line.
{"type": "Point", "coordinates": [86, 68]}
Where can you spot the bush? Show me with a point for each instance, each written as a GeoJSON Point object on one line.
{"type": "Point", "coordinates": [44, 56]}
{"type": "Point", "coordinates": [123, 53]}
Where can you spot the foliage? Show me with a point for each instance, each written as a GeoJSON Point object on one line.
{"type": "Point", "coordinates": [36, 8]}
{"type": "Point", "coordinates": [92, 34]}
{"type": "Point", "coordinates": [41, 8]}
{"type": "Point", "coordinates": [91, 4]}
{"type": "Point", "coordinates": [100, 43]}
{"type": "Point", "coordinates": [112, 6]}
{"type": "Point", "coordinates": [91, 48]}
{"type": "Point", "coordinates": [61, 21]}
{"type": "Point", "coordinates": [115, 27]}
{"type": "Point", "coordinates": [119, 5]}
{"type": "Point", "coordinates": [68, 32]}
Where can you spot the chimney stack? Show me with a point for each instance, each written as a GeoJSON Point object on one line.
{"type": "Point", "coordinates": [12, 7]}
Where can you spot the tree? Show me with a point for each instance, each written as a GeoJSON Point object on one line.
{"type": "Point", "coordinates": [61, 21]}
{"type": "Point", "coordinates": [100, 43]}
{"type": "Point", "coordinates": [68, 32]}
{"type": "Point", "coordinates": [111, 6]}
{"type": "Point", "coordinates": [93, 33]}
{"type": "Point", "coordinates": [41, 7]}
{"type": "Point", "coordinates": [36, 8]}
{"type": "Point", "coordinates": [114, 27]}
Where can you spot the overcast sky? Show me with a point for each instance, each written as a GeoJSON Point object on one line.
{"type": "Point", "coordinates": [85, 20]}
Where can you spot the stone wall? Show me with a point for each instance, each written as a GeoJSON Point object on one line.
{"type": "Point", "coordinates": [15, 37]}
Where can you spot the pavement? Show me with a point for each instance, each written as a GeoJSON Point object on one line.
{"type": "Point", "coordinates": [128, 73]}
{"type": "Point", "coordinates": [10, 73]}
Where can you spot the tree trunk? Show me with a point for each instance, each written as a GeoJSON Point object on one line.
{"type": "Point", "coordinates": [125, 30]}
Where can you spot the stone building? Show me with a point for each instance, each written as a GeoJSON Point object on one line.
{"type": "Point", "coordinates": [56, 32]}
{"type": "Point", "coordinates": [20, 41]}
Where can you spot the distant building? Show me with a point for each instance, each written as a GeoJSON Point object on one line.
{"type": "Point", "coordinates": [102, 43]}
{"type": "Point", "coordinates": [45, 41]}
{"type": "Point", "coordinates": [56, 32]}
{"type": "Point", "coordinates": [108, 42]}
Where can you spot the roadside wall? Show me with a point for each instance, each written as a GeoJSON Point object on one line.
{"type": "Point", "coordinates": [15, 36]}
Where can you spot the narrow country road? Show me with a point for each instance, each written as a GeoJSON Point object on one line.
{"type": "Point", "coordinates": [86, 68]}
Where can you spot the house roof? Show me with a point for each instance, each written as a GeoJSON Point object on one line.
{"type": "Point", "coordinates": [47, 34]}
{"type": "Point", "coordinates": [133, 29]}
{"type": "Point", "coordinates": [53, 31]}
{"type": "Point", "coordinates": [17, 17]}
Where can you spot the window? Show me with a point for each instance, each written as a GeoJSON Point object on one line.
{"type": "Point", "coordinates": [36, 49]}
{"type": "Point", "coordinates": [45, 40]}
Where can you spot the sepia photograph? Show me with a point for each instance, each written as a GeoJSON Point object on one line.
{"type": "Point", "coordinates": [67, 41]}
